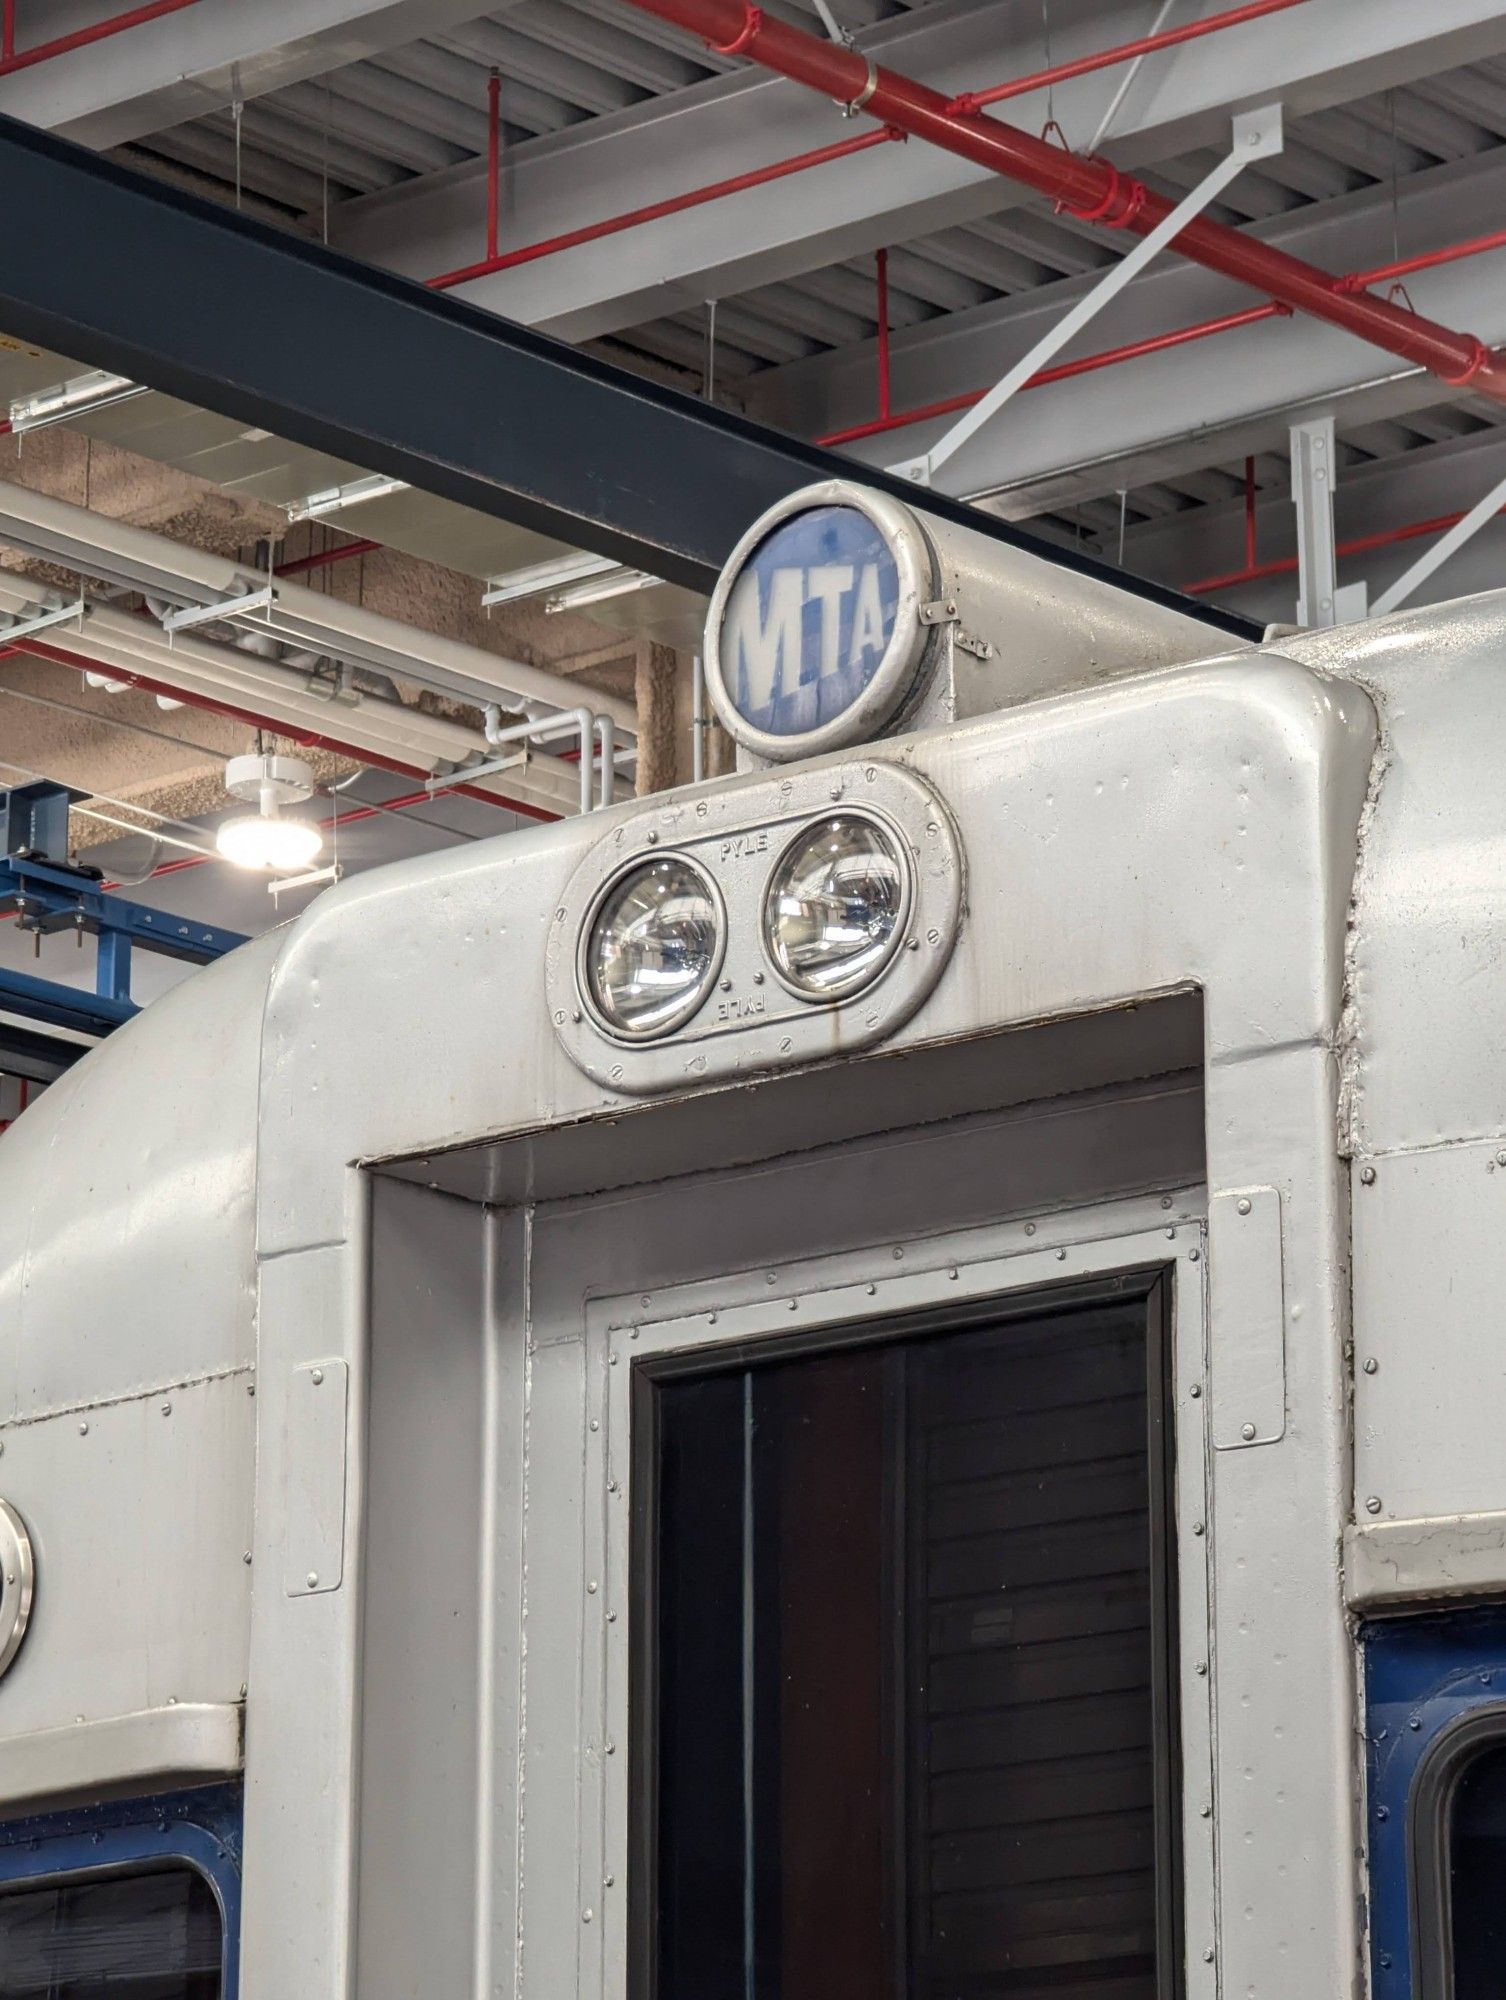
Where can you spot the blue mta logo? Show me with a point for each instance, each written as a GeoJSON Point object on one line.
{"type": "Point", "coordinates": [809, 620]}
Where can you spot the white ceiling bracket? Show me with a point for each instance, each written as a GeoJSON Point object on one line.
{"type": "Point", "coordinates": [24, 627]}
{"type": "Point", "coordinates": [1257, 135]}
{"type": "Point", "coordinates": [237, 605]}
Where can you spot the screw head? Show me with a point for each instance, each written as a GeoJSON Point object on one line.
{"type": "Point", "coordinates": [1195, 1391]}
{"type": "Point", "coordinates": [1201, 1669]}
{"type": "Point", "coordinates": [1371, 1364]}
{"type": "Point", "coordinates": [1367, 1176]}
{"type": "Point", "coordinates": [1247, 1432]}
{"type": "Point", "coordinates": [1373, 1505]}
{"type": "Point", "coordinates": [1243, 1205]}
{"type": "Point", "coordinates": [312, 1579]}
{"type": "Point", "coordinates": [1200, 1527]}
{"type": "Point", "coordinates": [316, 1376]}
{"type": "Point", "coordinates": [83, 1430]}
{"type": "Point", "coordinates": [167, 1409]}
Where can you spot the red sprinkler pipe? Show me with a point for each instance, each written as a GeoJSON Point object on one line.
{"type": "Point", "coordinates": [1361, 545]}
{"type": "Point", "coordinates": [1147, 45]}
{"type": "Point", "coordinates": [1091, 189]}
{"type": "Point", "coordinates": [493, 163]}
{"type": "Point", "coordinates": [654, 211]}
{"type": "Point", "coordinates": [81, 38]}
{"type": "Point", "coordinates": [7, 30]}
{"type": "Point", "coordinates": [1158, 343]}
{"type": "Point", "coordinates": [323, 557]}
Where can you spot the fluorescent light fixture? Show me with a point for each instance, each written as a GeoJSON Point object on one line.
{"type": "Point", "coordinates": [598, 589]}
{"type": "Point", "coordinates": [93, 391]}
{"type": "Point", "coordinates": [334, 498]}
{"type": "Point", "coordinates": [540, 577]}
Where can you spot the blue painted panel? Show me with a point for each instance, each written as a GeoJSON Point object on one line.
{"type": "Point", "coordinates": [1421, 1676]}
{"type": "Point", "coordinates": [809, 620]}
{"type": "Point", "coordinates": [201, 1828]}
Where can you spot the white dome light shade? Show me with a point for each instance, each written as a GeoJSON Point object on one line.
{"type": "Point", "coordinates": [268, 841]}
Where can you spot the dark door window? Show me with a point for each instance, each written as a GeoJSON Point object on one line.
{"type": "Point", "coordinates": [903, 1666]}
{"type": "Point", "coordinates": [149, 1936]}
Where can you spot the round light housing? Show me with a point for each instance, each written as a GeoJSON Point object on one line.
{"type": "Point", "coordinates": [267, 840]}
{"type": "Point", "coordinates": [836, 905]}
{"type": "Point", "coordinates": [653, 948]}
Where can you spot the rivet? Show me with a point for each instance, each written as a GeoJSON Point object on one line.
{"type": "Point", "coordinates": [250, 1388]}
{"type": "Point", "coordinates": [1195, 1391]}
{"type": "Point", "coordinates": [1030, 1229]}
{"type": "Point", "coordinates": [1243, 1205]}
{"type": "Point", "coordinates": [646, 1298]}
{"type": "Point", "coordinates": [246, 1558]}
{"type": "Point", "coordinates": [596, 1423]}
{"type": "Point", "coordinates": [591, 1587]}
{"type": "Point", "coordinates": [1382, 1812]}
{"type": "Point", "coordinates": [1171, 1233]}
{"type": "Point", "coordinates": [610, 1748]}
{"type": "Point", "coordinates": [1201, 1668]}
{"type": "Point", "coordinates": [1199, 1528]}
{"type": "Point", "coordinates": [611, 1361]}
{"type": "Point", "coordinates": [1208, 1956]}
{"type": "Point", "coordinates": [653, 841]}
{"type": "Point", "coordinates": [607, 1881]}
{"type": "Point", "coordinates": [611, 1617]}
{"type": "Point", "coordinates": [576, 1016]}
{"type": "Point", "coordinates": [316, 1376]}
{"type": "Point", "coordinates": [1247, 1432]}
{"type": "Point", "coordinates": [312, 1579]}
{"type": "Point", "coordinates": [770, 1277]}
{"type": "Point", "coordinates": [836, 791]}
{"type": "Point", "coordinates": [897, 1251]}
{"type": "Point", "coordinates": [1367, 1175]}
{"type": "Point", "coordinates": [1373, 1505]}
{"type": "Point", "coordinates": [1371, 1364]}
{"type": "Point", "coordinates": [614, 1486]}
{"type": "Point", "coordinates": [951, 1270]}
{"type": "Point", "coordinates": [1385, 1961]}
{"type": "Point", "coordinates": [758, 979]}
{"type": "Point", "coordinates": [632, 1333]}
{"type": "Point", "coordinates": [83, 1430]}
{"type": "Point", "coordinates": [1414, 1722]}
{"type": "Point", "coordinates": [1061, 1256]}
{"type": "Point", "coordinates": [1501, 1158]}
{"type": "Point", "coordinates": [1166, 1201]}
{"type": "Point", "coordinates": [872, 1291]}
{"type": "Point", "coordinates": [1206, 1813]}
{"type": "Point", "coordinates": [794, 1305]}
{"type": "Point", "coordinates": [1193, 1256]}
{"type": "Point", "coordinates": [585, 1915]}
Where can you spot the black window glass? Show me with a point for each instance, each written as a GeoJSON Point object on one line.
{"type": "Point", "coordinates": [150, 1936]}
{"type": "Point", "coordinates": [1477, 1878]}
{"type": "Point", "coordinates": [905, 1647]}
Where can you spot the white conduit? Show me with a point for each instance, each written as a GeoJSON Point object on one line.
{"type": "Point", "coordinates": [113, 551]}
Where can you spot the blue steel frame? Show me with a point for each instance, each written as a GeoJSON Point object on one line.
{"type": "Point", "coordinates": [1422, 1677]}
{"type": "Point", "coordinates": [55, 899]}
{"type": "Point", "coordinates": [200, 1829]}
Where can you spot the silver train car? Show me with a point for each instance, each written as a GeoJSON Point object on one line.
{"type": "Point", "coordinates": [876, 1380]}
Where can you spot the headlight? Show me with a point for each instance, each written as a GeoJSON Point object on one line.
{"type": "Point", "coordinates": [835, 906]}
{"type": "Point", "coordinates": [654, 947]}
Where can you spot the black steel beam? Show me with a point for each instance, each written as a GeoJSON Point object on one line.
{"type": "Point", "coordinates": [118, 271]}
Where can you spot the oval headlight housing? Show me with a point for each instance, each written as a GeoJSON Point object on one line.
{"type": "Point", "coordinates": [653, 947]}
{"type": "Point", "coordinates": [836, 905]}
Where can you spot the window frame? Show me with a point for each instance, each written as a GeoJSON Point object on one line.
{"type": "Point", "coordinates": [137, 1837]}
{"type": "Point", "coordinates": [1435, 1790]}
{"type": "Point", "coordinates": [1117, 1250]}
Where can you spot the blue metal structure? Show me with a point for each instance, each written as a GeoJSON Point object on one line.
{"type": "Point", "coordinates": [201, 1829]}
{"type": "Point", "coordinates": [47, 896]}
{"type": "Point", "coordinates": [1423, 1677]}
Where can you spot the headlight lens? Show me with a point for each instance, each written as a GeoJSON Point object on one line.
{"type": "Point", "coordinates": [835, 906]}
{"type": "Point", "coordinates": [654, 947]}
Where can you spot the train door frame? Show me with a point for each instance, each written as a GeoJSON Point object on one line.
{"type": "Point", "coordinates": [1012, 1261]}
